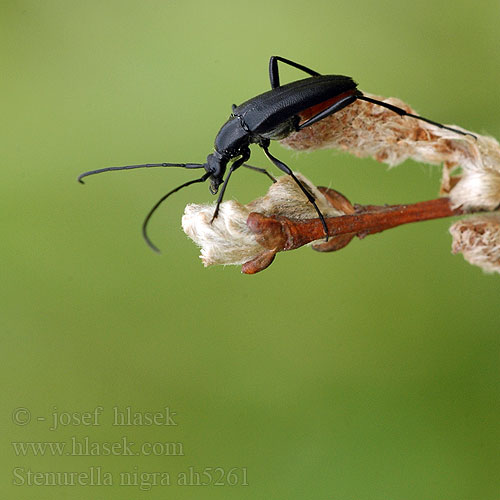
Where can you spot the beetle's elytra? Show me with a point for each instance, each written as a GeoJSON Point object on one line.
{"type": "Point", "coordinates": [272, 115]}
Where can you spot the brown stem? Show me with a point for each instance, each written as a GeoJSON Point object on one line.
{"type": "Point", "coordinates": [281, 233]}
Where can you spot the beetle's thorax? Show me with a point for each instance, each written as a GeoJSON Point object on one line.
{"type": "Point", "coordinates": [233, 137]}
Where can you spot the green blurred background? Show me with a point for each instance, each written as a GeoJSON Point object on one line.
{"type": "Point", "coordinates": [370, 374]}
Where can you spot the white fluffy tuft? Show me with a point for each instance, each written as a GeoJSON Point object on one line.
{"type": "Point", "coordinates": [477, 238]}
{"type": "Point", "coordinates": [228, 240]}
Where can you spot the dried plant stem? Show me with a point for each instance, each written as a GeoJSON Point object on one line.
{"type": "Point", "coordinates": [281, 233]}
{"type": "Point", "coordinates": [252, 235]}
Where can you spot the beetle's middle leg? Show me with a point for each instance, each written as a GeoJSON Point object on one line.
{"type": "Point", "coordinates": [336, 106]}
{"type": "Point", "coordinates": [288, 170]}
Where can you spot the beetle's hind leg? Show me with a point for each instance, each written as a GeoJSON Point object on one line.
{"type": "Point", "coordinates": [402, 112]}
{"type": "Point", "coordinates": [288, 170]}
{"type": "Point", "coordinates": [260, 170]}
{"type": "Point", "coordinates": [274, 75]}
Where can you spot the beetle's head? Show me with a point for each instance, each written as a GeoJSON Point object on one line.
{"type": "Point", "coordinates": [216, 167]}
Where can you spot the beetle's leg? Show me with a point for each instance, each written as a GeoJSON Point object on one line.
{"type": "Point", "coordinates": [274, 75]}
{"type": "Point", "coordinates": [237, 163]}
{"type": "Point", "coordinates": [336, 106]}
{"type": "Point", "coordinates": [261, 170]}
{"type": "Point", "coordinates": [402, 112]}
{"type": "Point", "coordinates": [288, 170]}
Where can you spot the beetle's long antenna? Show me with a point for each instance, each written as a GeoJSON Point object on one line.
{"type": "Point", "coordinates": [145, 165]}
{"type": "Point", "coordinates": [159, 202]}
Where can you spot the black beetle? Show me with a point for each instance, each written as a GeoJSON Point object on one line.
{"type": "Point", "coordinates": [272, 115]}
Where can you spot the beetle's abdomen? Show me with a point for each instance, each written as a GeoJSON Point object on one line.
{"type": "Point", "coordinates": [282, 130]}
{"type": "Point", "coordinates": [308, 113]}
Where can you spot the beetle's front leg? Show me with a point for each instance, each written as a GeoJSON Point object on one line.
{"type": "Point", "coordinates": [245, 155]}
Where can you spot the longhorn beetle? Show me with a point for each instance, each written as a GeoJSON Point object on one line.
{"type": "Point", "coordinates": [272, 115]}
